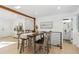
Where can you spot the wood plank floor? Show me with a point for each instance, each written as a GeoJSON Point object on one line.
{"type": "Point", "coordinates": [68, 48]}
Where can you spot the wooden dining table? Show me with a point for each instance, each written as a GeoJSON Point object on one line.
{"type": "Point", "coordinates": [33, 36]}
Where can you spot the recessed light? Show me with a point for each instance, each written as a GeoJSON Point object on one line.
{"type": "Point", "coordinates": [58, 7]}
{"type": "Point", "coordinates": [17, 7]}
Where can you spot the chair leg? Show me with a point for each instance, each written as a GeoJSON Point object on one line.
{"type": "Point", "coordinates": [47, 49]}
{"type": "Point", "coordinates": [50, 46]}
{"type": "Point", "coordinates": [29, 43]}
{"type": "Point", "coordinates": [21, 48]}
{"type": "Point", "coordinates": [18, 43]}
{"type": "Point", "coordinates": [26, 43]}
{"type": "Point", "coordinates": [23, 45]}
{"type": "Point", "coordinates": [44, 50]}
{"type": "Point", "coordinates": [40, 48]}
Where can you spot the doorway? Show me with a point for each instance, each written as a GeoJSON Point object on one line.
{"type": "Point", "coordinates": [67, 31]}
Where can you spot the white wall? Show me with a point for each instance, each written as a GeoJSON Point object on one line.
{"type": "Point", "coordinates": [57, 22]}
{"type": "Point", "coordinates": [75, 31]}
{"type": "Point", "coordinates": [57, 25]}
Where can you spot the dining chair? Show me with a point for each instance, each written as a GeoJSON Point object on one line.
{"type": "Point", "coordinates": [18, 37]}
{"type": "Point", "coordinates": [28, 41]}
{"type": "Point", "coordinates": [25, 42]}
{"type": "Point", "coordinates": [43, 43]}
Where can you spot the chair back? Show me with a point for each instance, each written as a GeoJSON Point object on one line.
{"type": "Point", "coordinates": [28, 31]}
{"type": "Point", "coordinates": [46, 38]}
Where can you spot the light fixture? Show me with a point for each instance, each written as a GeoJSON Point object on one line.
{"type": "Point", "coordinates": [66, 21]}
{"type": "Point", "coordinates": [58, 7]}
{"type": "Point", "coordinates": [17, 7]}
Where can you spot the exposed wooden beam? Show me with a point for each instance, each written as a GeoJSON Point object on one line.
{"type": "Point", "coordinates": [14, 11]}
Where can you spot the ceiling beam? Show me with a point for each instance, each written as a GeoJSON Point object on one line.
{"type": "Point", "coordinates": [14, 11]}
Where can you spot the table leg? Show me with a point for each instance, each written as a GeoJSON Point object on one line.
{"type": "Point", "coordinates": [18, 41]}
{"type": "Point", "coordinates": [60, 40]}
{"type": "Point", "coordinates": [34, 45]}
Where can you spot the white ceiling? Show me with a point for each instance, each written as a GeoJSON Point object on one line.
{"type": "Point", "coordinates": [45, 10]}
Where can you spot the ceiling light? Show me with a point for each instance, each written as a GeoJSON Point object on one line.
{"type": "Point", "coordinates": [58, 7]}
{"type": "Point", "coordinates": [67, 21]}
{"type": "Point", "coordinates": [17, 7]}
